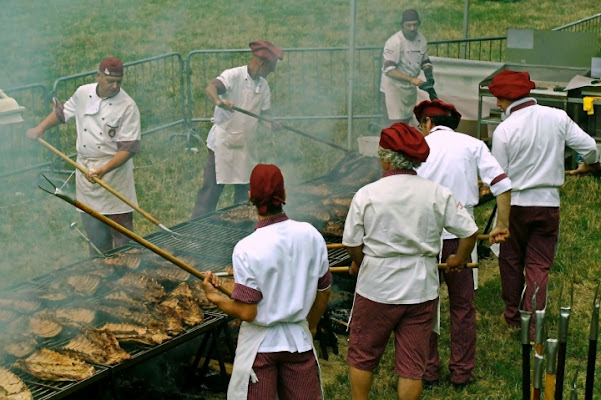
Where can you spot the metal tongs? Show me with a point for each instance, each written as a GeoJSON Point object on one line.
{"type": "Point", "coordinates": [525, 317]}
{"type": "Point", "coordinates": [564, 319]}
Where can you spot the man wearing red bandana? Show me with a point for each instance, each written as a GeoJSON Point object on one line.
{"type": "Point", "coordinates": [232, 141]}
{"type": "Point", "coordinates": [393, 234]}
{"type": "Point", "coordinates": [456, 161]}
{"type": "Point", "coordinates": [108, 136]}
{"type": "Point", "coordinates": [282, 282]}
{"type": "Point", "coordinates": [530, 146]}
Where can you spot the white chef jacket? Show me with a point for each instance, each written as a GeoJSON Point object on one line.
{"type": "Point", "coordinates": [408, 57]}
{"type": "Point", "coordinates": [530, 145]}
{"type": "Point", "coordinates": [284, 262]}
{"type": "Point", "coordinates": [101, 124]}
{"type": "Point", "coordinates": [455, 161]}
{"type": "Point", "coordinates": [232, 136]}
{"type": "Point", "coordinates": [399, 221]}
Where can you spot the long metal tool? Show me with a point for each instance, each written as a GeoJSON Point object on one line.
{"type": "Point", "coordinates": [574, 387]}
{"type": "Point", "coordinates": [592, 348]}
{"type": "Point", "coordinates": [58, 193]}
{"type": "Point", "coordinates": [74, 226]}
{"type": "Point", "coordinates": [525, 317]}
{"type": "Point", "coordinates": [551, 356]}
{"type": "Point", "coordinates": [107, 187]}
{"type": "Point", "coordinates": [289, 128]}
{"type": "Point", "coordinates": [564, 319]}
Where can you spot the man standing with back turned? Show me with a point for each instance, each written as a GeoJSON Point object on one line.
{"type": "Point", "coordinates": [405, 55]}
{"type": "Point", "coordinates": [108, 136]}
{"type": "Point", "coordinates": [232, 144]}
{"type": "Point", "coordinates": [530, 145]}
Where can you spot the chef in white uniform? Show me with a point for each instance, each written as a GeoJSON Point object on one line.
{"type": "Point", "coordinates": [282, 286]}
{"type": "Point", "coordinates": [232, 143]}
{"type": "Point", "coordinates": [393, 234]}
{"type": "Point", "coordinates": [456, 161]}
{"type": "Point", "coordinates": [108, 136]}
{"type": "Point", "coordinates": [405, 55]}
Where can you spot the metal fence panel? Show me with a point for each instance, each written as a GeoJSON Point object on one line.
{"type": "Point", "coordinates": [155, 84]}
{"type": "Point", "coordinates": [18, 153]}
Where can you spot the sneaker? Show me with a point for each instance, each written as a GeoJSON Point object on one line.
{"type": "Point", "coordinates": [465, 384]}
{"type": "Point", "coordinates": [430, 384]}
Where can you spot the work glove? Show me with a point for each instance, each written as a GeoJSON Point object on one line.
{"type": "Point", "coordinates": [429, 73]}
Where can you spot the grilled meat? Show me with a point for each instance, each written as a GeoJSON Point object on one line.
{"type": "Point", "coordinates": [20, 305]}
{"type": "Point", "coordinates": [18, 345]}
{"type": "Point", "coordinates": [12, 387]}
{"type": "Point", "coordinates": [54, 296]}
{"type": "Point", "coordinates": [120, 297]}
{"type": "Point", "coordinates": [67, 316]}
{"type": "Point", "coordinates": [97, 267]}
{"type": "Point", "coordinates": [321, 190]}
{"type": "Point", "coordinates": [7, 315]}
{"type": "Point", "coordinates": [199, 295]}
{"type": "Point", "coordinates": [84, 285]}
{"type": "Point", "coordinates": [239, 215]}
{"type": "Point", "coordinates": [185, 307]}
{"type": "Point", "coordinates": [333, 229]}
{"type": "Point", "coordinates": [136, 333]}
{"type": "Point", "coordinates": [171, 320]}
{"type": "Point", "coordinates": [44, 327]}
{"type": "Point", "coordinates": [183, 290]}
{"type": "Point", "coordinates": [140, 285]}
{"type": "Point", "coordinates": [96, 346]}
{"type": "Point", "coordinates": [126, 259]}
{"type": "Point", "coordinates": [50, 365]}
{"type": "Point", "coordinates": [343, 200]}
{"type": "Point", "coordinates": [167, 272]}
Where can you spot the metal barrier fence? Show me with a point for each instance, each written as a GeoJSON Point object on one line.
{"type": "Point", "coordinates": [18, 153]}
{"type": "Point", "coordinates": [589, 24]}
{"type": "Point", "coordinates": [156, 84]}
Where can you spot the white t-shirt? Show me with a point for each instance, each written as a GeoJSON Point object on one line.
{"type": "Point", "coordinates": [530, 147]}
{"type": "Point", "coordinates": [399, 221]}
{"type": "Point", "coordinates": [283, 261]}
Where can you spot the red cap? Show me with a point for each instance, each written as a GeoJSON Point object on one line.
{"type": "Point", "coordinates": [435, 107]}
{"type": "Point", "coordinates": [111, 66]}
{"type": "Point", "coordinates": [405, 139]}
{"type": "Point", "coordinates": [266, 50]}
{"type": "Point", "coordinates": [511, 85]}
{"type": "Point", "coordinates": [266, 187]}
{"type": "Point", "coordinates": [410, 15]}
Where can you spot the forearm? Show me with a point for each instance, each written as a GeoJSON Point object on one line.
{"type": "Point", "coordinates": [399, 76]}
{"type": "Point", "coordinates": [50, 121]}
{"type": "Point", "coordinates": [356, 254]}
{"type": "Point", "coordinates": [211, 92]}
{"type": "Point", "coordinates": [115, 162]}
{"type": "Point", "coordinates": [503, 208]}
{"type": "Point", "coordinates": [318, 308]}
{"type": "Point", "coordinates": [466, 245]}
{"type": "Point", "coordinates": [245, 312]}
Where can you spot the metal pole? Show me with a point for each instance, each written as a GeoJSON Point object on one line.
{"type": "Point", "coordinates": [466, 17]}
{"type": "Point", "coordinates": [351, 62]}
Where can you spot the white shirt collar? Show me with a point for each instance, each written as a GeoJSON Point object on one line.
{"type": "Point", "coordinates": [517, 103]}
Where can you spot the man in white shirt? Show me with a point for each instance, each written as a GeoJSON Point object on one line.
{"type": "Point", "coordinates": [530, 146]}
{"type": "Point", "coordinates": [108, 136]}
{"type": "Point", "coordinates": [456, 161]}
{"type": "Point", "coordinates": [405, 55]}
{"type": "Point", "coordinates": [282, 285]}
{"type": "Point", "coordinates": [393, 235]}
{"type": "Point", "coordinates": [231, 143]}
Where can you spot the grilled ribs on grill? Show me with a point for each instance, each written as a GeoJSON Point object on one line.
{"type": "Point", "coordinates": [130, 259]}
{"type": "Point", "coordinates": [140, 286]}
{"type": "Point", "coordinates": [84, 285]}
{"type": "Point", "coordinates": [50, 365]}
{"type": "Point", "coordinates": [136, 333]}
{"type": "Point", "coordinates": [18, 345]}
{"type": "Point", "coordinates": [200, 296]}
{"type": "Point", "coordinates": [12, 387]}
{"type": "Point", "coordinates": [96, 346]}
{"type": "Point", "coordinates": [333, 229]}
{"type": "Point", "coordinates": [167, 272]}
{"type": "Point", "coordinates": [20, 305]}
{"type": "Point", "coordinates": [44, 327]}
{"type": "Point", "coordinates": [171, 321]}
{"type": "Point", "coordinates": [185, 307]}
{"type": "Point", "coordinates": [139, 316]}
{"type": "Point", "coordinates": [69, 316]}
{"type": "Point", "coordinates": [239, 215]}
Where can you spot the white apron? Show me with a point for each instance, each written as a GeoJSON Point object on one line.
{"type": "Point", "coordinates": [250, 338]}
{"type": "Point", "coordinates": [236, 144]}
{"type": "Point", "coordinates": [92, 194]}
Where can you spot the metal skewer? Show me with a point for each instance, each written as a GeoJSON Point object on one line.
{"type": "Point", "coordinates": [74, 226]}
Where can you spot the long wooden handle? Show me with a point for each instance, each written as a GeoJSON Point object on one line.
{"type": "Point", "coordinates": [101, 183]}
{"type": "Point", "coordinates": [440, 266]}
{"type": "Point", "coordinates": [143, 242]}
{"type": "Point", "coordinates": [549, 385]}
{"type": "Point", "coordinates": [341, 246]}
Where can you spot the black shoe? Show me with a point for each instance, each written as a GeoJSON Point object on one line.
{"type": "Point", "coordinates": [465, 384]}
{"type": "Point", "coordinates": [430, 384]}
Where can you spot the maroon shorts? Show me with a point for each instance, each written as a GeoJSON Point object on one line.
{"type": "Point", "coordinates": [371, 326]}
{"type": "Point", "coordinates": [292, 376]}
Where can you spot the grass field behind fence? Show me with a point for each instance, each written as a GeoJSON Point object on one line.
{"type": "Point", "coordinates": [43, 41]}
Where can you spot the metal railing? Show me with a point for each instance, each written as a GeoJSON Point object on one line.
{"type": "Point", "coordinates": [589, 24]}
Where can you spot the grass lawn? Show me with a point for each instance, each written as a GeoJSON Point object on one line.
{"type": "Point", "coordinates": [43, 41]}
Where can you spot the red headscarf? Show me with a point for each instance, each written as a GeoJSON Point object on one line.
{"type": "Point", "coordinates": [266, 50]}
{"type": "Point", "coordinates": [435, 107]}
{"type": "Point", "coordinates": [511, 85]}
{"type": "Point", "coordinates": [407, 140]}
{"type": "Point", "coordinates": [111, 66]}
{"type": "Point", "coordinates": [266, 187]}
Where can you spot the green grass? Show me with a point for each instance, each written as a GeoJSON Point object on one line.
{"type": "Point", "coordinates": [43, 41]}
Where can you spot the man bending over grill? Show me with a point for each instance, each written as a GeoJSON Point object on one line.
{"type": "Point", "coordinates": [282, 286]}
{"type": "Point", "coordinates": [393, 231]}
{"type": "Point", "coordinates": [530, 146]}
{"type": "Point", "coordinates": [231, 143]}
{"type": "Point", "coordinates": [456, 161]}
{"type": "Point", "coordinates": [108, 136]}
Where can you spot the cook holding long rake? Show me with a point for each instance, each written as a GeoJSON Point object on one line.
{"type": "Point", "coordinates": [108, 136]}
